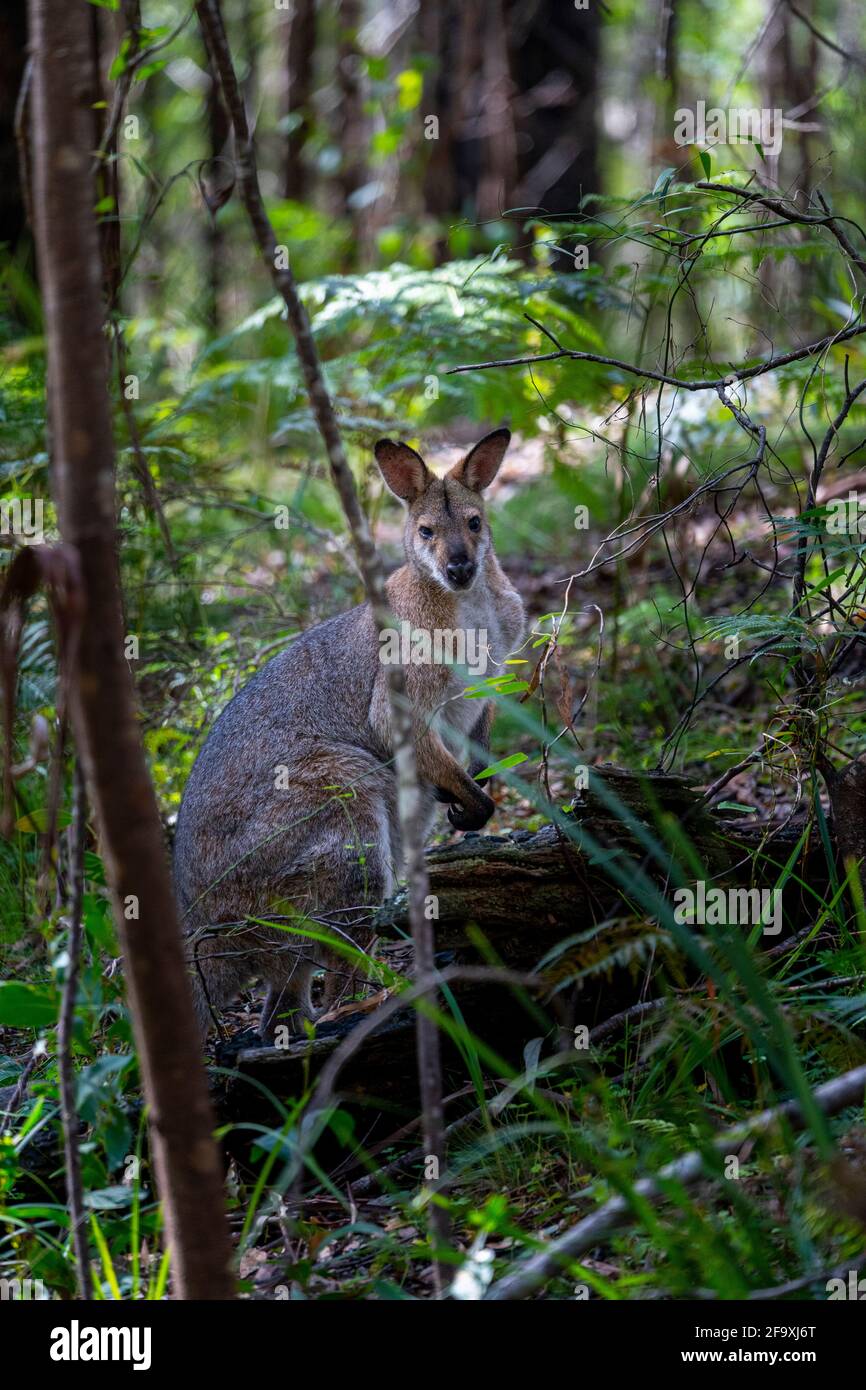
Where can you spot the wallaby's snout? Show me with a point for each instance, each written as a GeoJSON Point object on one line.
{"type": "Point", "coordinates": [460, 569]}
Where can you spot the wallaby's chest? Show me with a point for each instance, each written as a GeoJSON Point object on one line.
{"type": "Point", "coordinates": [453, 644]}
{"type": "Point", "coordinates": [479, 648]}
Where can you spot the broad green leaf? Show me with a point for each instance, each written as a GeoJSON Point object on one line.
{"type": "Point", "coordinates": [27, 1006]}
{"type": "Point", "coordinates": [511, 761]}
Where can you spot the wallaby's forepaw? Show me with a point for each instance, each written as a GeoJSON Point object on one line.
{"type": "Point", "coordinates": [472, 817]}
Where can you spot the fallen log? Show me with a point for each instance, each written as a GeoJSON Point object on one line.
{"type": "Point", "coordinates": [526, 890]}
{"type": "Point", "coordinates": [518, 899]}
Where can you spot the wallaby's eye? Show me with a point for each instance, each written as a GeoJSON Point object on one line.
{"type": "Point", "coordinates": [425, 532]}
{"type": "Point", "coordinates": [475, 523]}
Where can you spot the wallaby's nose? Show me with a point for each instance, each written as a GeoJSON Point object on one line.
{"type": "Point", "coordinates": [460, 569]}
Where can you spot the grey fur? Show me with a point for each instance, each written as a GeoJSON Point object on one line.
{"type": "Point", "coordinates": [265, 821]}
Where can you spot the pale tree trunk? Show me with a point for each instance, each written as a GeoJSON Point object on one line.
{"type": "Point", "coordinates": [791, 82]}
{"type": "Point", "coordinates": [186, 1160]}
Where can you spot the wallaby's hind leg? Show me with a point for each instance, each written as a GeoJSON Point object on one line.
{"type": "Point", "coordinates": [288, 1002]}
{"type": "Point", "coordinates": [216, 979]}
{"type": "Point", "coordinates": [360, 875]}
{"type": "Point", "coordinates": [305, 853]}
{"type": "Point", "coordinates": [347, 868]}
{"type": "Point", "coordinates": [334, 982]}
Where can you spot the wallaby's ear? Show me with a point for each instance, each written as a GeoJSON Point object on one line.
{"type": "Point", "coordinates": [405, 472]}
{"type": "Point", "coordinates": [481, 464]}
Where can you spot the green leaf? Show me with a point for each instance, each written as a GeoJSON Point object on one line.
{"type": "Point", "coordinates": [706, 162]}
{"type": "Point", "coordinates": [377, 68]}
{"type": "Point", "coordinates": [108, 1198]}
{"type": "Point", "coordinates": [343, 1126]}
{"type": "Point", "coordinates": [410, 85]}
{"type": "Point", "coordinates": [98, 923]}
{"type": "Point", "coordinates": [120, 62]}
{"type": "Point", "coordinates": [511, 761]}
{"type": "Point", "coordinates": [663, 183]}
{"type": "Point", "coordinates": [828, 579]}
{"type": "Point", "coordinates": [148, 69]}
{"type": "Point", "coordinates": [36, 822]}
{"type": "Point", "coordinates": [27, 1006]}
{"type": "Point", "coordinates": [100, 1079]}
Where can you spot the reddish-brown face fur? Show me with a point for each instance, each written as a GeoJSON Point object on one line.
{"type": "Point", "coordinates": [446, 535]}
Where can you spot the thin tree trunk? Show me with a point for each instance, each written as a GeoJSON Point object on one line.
{"type": "Point", "coordinates": [108, 167]}
{"type": "Point", "coordinates": [554, 53]}
{"type": "Point", "coordinates": [102, 699]}
{"type": "Point", "coordinates": [791, 82]}
{"type": "Point", "coordinates": [847, 789]}
{"type": "Point", "coordinates": [352, 123]}
{"type": "Point", "coordinates": [218, 129]}
{"type": "Point", "coordinates": [74, 1187]}
{"type": "Point", "coordinates": [498, 173]}
{"type": "Point", "coordinates": [300, 51]}
{"type": "Point", "coordinates": [250, 47]}
{"type": "Point", "coordinates": [409, 792]}
{"type": "Point", "coordinates": [436, 24]}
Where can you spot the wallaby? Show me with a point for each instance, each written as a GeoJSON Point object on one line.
{"type": "Point", "coordinates": [291, 807]}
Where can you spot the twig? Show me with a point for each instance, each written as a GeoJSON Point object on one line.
{"type": "Point", "coordinates": [720, 783]}
{"type": "Point", "coordinates": [712, 384]}
{"type": "Point", "coordinates": [22, 139]}
{"type": "Point", "coordinates": [38, 1054]}
{"type": "Point", "coordinates": [419, 992]}
{"type": "Point", "coordinates": [610, 1025]}
{"type": "Point", "coordinates": [476, 1116]}
{"type": "Point", "coordinates": [140, 467]}
{"type": "Point", "coordinates": [822, 38]}
{"type": "Point", "coordinates": [135, 58]}
{"type": "Point", "coordinates": [799, 586]}
{"type": "Point", "coordinates": [793, 215]}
